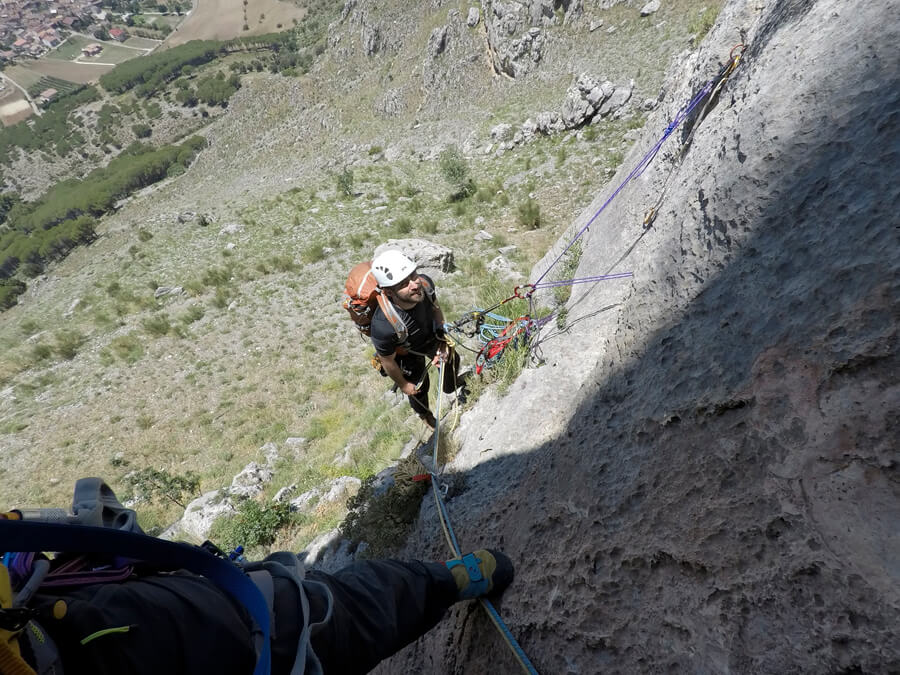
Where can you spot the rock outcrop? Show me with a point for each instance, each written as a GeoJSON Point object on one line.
{"type": "Point", "coordinates": [700, 476]}
{"type": "Point", "coordinates": [431, 258]}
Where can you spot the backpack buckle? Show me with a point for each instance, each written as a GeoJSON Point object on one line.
{"type": "Point", "coordinates": [13, 619]}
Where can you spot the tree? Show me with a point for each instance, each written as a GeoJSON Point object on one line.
{"type": "Point", "coordinates": [9, 291]}
{"type": "Point", "coordinates": [187, 97]}
{"type": "Point", "coordinates": [160, 484]}
{"type": "Point", "coordinates": [345, 182]}
{"type": "Point", "coordinates": [456, 172]}
{"type": "Point", "coordinates": [101, 33]}
{"type": "Point", "coordinates": [141, 130]}
{"type": "Point", "coordinates": [7, 201]}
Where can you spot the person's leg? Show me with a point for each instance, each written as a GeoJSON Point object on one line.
{"type": "Point", "coordinates": [379, 607]}
{"type": "Point", "coordinates": [415, 369]}
{"type": "Point", "coordinates": [452, 380]}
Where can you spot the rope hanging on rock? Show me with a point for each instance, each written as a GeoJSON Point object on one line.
{"type": "Point", "coordinates": [708, 92]}
{"type": "Point", "coordinates": [453, 542]}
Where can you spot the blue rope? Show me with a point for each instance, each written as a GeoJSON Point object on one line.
{"type": "Point", "coordinates": [454, 543]}
{"type": "Point", "coordinates": [498, 621]}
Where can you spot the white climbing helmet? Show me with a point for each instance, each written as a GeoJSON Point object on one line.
{"type": "Point", "coordinates": [391, 267]}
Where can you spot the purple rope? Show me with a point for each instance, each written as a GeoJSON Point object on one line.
{"type": "Point", "coordinates": [584, 280]}
{"type": "Point", "coordinates": [638, 170]}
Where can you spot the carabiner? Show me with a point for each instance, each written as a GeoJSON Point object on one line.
{"type": "Point", "coordinates": [528, 294]}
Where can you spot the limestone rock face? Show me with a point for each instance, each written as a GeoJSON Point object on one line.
{"type": "Point", "coordinates": [514, 34]}
{"type": "Point", "coordinates": [650, 8]}
{"type": "Point", "coordinates": [437, 42]}
{"type": "Point", "coordinates": [201, 513]}
{"type": "Point", "coordinates": [709, 465]}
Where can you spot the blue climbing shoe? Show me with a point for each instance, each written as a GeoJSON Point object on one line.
{"type": "Point", "coordinates": [481, 572]}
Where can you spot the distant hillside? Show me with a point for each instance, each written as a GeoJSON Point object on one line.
{"type": "Point", "coordinates": [104, 371]}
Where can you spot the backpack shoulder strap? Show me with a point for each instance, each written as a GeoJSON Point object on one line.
{"type": "Point", "coordinates": [390, 313]}
{"type": "Point", "coordinates": [429, 290]}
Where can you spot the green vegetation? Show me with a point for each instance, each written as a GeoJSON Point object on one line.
{"type": "Point", "coordinates": [7, 201]}
{"type": "Point", "coordinates": [345, 182]}
{"type": "Point", "coordinates": [703, 23]}
{"type": "Point", "coordinates": [566, 270]}
{"type": "Point", "coordinates": [124, 347]}
{"type": "Point", "coordinates": [216, 90]}
{"type": "Point", "coordinates": [51, 132]}
{"type": "Point", "coordinates": [141, 130]}
{"type": "Point", "coordinates": [63, 217]}
{"type": "Point", "coordinates": [529, 214]}
{"type": "Point", "coordinates": [150, 74]}
{"type": "Point", "coordinates": [254, 525]}
{"type": "Point", "coordinates": [153, 484]}
{"type": "Point", "coordinates": [384, 520]}
{"type": "Point", "coordinates": [10, 289]}
{"type": "Point", "coordinates": [455, 171]}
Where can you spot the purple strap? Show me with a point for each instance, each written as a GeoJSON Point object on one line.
{"type": "Point", "coordinates": [638, 170]}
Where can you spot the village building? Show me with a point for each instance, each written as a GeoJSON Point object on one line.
{"type": "Point", "coordinates": [47, 95]}
{"type": "Point", "coordinates": [118, 34]}
{"type": "Point", "coordinates": [49, 37]}
{"type": "Point", "coordinates": [92, 49]}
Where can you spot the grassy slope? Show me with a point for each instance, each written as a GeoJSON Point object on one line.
{"type": "Point", "coordinates": [262, 351]}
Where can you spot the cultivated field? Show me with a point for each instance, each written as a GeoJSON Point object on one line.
{"type": "Point", "coordinates": [224, 19]}
{"type": "Point", "coordinates": [70, 51]}
{"type": "Point", "coordinates": [23, 76]}
{"type": "Point", "coordinates": [82, 73]}
{"type": "Point", "coordinates": [141, 43]}
{"type": "Point", "coordinates": [13, 106]}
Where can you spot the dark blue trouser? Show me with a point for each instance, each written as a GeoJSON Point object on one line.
{"type": "Point", "coordinates": [379, 608]}
{"type": "Point", "coordinates": [414, 367]}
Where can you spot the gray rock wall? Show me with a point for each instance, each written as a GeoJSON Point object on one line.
{"type": "Point", "coordinates": [702, 477]}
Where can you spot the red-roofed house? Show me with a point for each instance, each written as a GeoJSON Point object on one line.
{"type": "Point", "coordinates": [118, 34]}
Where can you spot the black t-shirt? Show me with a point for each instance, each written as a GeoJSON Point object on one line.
{"type": "Point", "coordinates": [419, 324]}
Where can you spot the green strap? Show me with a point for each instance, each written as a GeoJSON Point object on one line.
{"type": "Point", "coordinates": [105, 631]}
